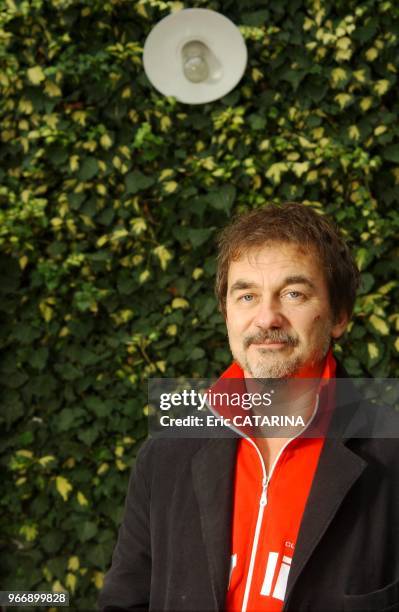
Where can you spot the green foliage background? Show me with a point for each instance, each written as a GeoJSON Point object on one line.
{"type": "Point", "coordinates": [111, 196]}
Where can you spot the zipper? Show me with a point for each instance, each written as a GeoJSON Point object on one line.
{"type": "Point", "coordinates": [263, 503]}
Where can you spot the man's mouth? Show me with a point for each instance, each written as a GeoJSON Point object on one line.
{"type": "Point", "coordinates": [274, 341]}
{"type": "Point", "coordinates": [269, 344]}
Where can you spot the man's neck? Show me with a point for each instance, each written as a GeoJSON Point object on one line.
{"type": "Point", "coordinates": [295, 396]}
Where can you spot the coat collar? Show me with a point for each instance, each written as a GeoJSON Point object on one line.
{"type": "Point", "coordinates": [213, 469]}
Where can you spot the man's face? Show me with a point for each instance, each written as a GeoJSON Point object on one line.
{"type": "Point", "coordinates": [278, 315]}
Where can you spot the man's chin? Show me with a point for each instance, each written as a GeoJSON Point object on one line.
{"type": "Point", "coordinates": [279, 369]}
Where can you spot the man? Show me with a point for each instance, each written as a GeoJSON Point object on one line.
{"type": "Point", "coordinates": [269, 523]}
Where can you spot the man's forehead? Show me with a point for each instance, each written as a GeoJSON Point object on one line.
{"type": "Point", "coordinates": [275, 256]}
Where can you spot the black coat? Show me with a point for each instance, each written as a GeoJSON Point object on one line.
{"type": "Point", "coordinates": [173, 550]}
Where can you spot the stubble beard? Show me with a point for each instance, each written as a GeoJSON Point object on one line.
{"type": "Point", "coordinates": [280, 365]}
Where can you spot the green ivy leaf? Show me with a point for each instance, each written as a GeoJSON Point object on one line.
{"type": "Point", "coordinates": [88, 169]}
{"type": "Point", "coordinates": [88, 531]}
{"type": "Point", "coordinates": [197, 237]}
{"type": "Point", "coordinates": [379, 325]}
{"type": "Point", "coordinates": [137, 181]}
{"type": "Point", "coordinates": [391, 153]}
{"type": "Point", "coordinates": [222, 199]}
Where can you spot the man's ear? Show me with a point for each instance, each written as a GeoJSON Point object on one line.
{"type": "Point", "coordinates": [340, 325]}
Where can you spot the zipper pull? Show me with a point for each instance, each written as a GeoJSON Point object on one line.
{"type": "Point", "coordinates": [263, 499]}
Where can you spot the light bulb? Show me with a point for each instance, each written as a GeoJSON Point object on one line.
{"type": "Point", "coordinates": [195, 66]}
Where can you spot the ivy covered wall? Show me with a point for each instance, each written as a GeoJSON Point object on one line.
{"type": "Point", "coordinates": [111, 197]}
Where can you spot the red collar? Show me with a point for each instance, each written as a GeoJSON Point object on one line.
{"type": "Point", "coordinates": [235, 371]}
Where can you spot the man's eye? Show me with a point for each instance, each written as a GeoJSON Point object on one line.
{"type": "Point", "coordinates": [248, 297]}
{"type": "Point", "coordinates": [294, 294]}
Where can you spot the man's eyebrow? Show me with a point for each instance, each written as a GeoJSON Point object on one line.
{"type": "Point", "coordinates": [296, 279]}
{"type": "Point", "coordinates": [241, 284]}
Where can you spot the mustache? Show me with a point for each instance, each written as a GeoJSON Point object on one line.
{"type": "Point", "coordinates": [272, 335]}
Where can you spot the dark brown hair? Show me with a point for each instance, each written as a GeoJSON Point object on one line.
{"type": "Point", "coordinates": [294, 223]}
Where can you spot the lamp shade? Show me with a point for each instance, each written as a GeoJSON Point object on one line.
{"type": "Point", "coordinates": [195, 55]}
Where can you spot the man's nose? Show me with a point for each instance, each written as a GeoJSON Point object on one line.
{"type": "Point", "coordinates": [268, 314]}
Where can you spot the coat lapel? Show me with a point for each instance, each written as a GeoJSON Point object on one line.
{"type": "Point", "coordinates": [337, 471]}
{"type": "Point", "coordinates": [213, 478]}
